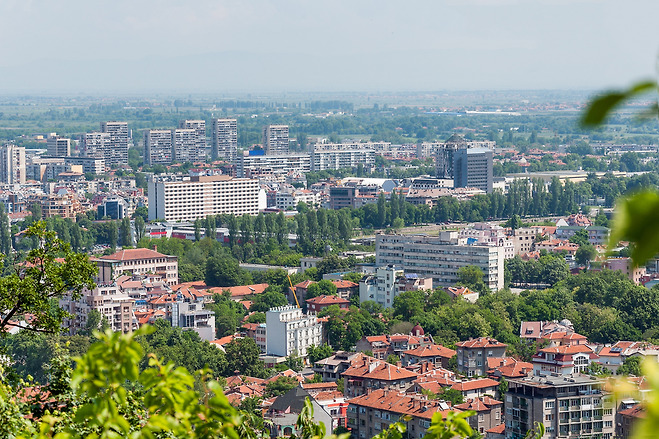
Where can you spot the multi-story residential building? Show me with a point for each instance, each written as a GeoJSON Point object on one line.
{"type": "Point", "coordinates": [137, 261]}
{"type": "Point", "coordinates": [473, 355]}
{"type": "Point", "coordinates": [289, 330]}
{"type": "Point", "coordinates": [12, 164]}
{"type": "Point", "coordinates": [158, 147]}
{"type": "Point", "coordinates": [224, 133]}
{"type": "Point", "coordinates": [489, 234]}
{"type": "Point", "coordinates": [472, 167]}
{"type": "Point", "coordinates": [318, 303]}
{"type": "Point", "coordinates": [64, 206]}
{"type": "Point", "coordinates": [275, 139]}
{"type": "Point", "coordinates": [431, 149]}
{"type": "Point", "coordinates": [113, 304]}
{"type": "Point", "coordinates": [568, 406]}
{"type": "Point", "coordinates": [523, 239]}
{"type": "Point", "coordinates": [626, 266]}
{"type": "Point", "coordinates": [288, 200]}
{"type": "Point", "coordinates": [563, 360]}
{"type": "Point", "coordinates": [90, 165]}
{"type": "Point", "coordinates": [116, 151]}
{"type": "Point", "coordinates": [111, 143]}
{"type": "Point", "coordinates": [440, 257]}
{"type": "Point", "coordinates": [200, 128]}
{"type": "Point", "coordinates": [187, 145]}
{"type": "Point", "coordinates": [626, 419]}
{"type": "Point", "coordinates": [191, 314]}
{"type": "Point", "coordinates": [436, 354]}
{"type": "Point", "coordinates": [327, 157]}
{"type": "Point", "coordinates": [371, 414]}
{"type": "Point", "coordinates": [381, 346]}
{"type": "Point", "coordinates": [185, 198]}
{"type": "Point", "coordinates": [251, 164]}
{"type": "Point", "coordinates": [369, 374]}
{"type": "Point", "coordinates": [331, 368]}
{"type": "Point", "coordinates": [58, 146]}
{"type": "Point", "coordinates": [381, 286]}
{"type": "Point", "coordinates": [489, 413]}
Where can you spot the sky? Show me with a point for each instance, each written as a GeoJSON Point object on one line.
{"type": "Point", "coordinates": [225, 46]}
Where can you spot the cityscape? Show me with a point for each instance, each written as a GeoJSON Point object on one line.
{"type": "Point", "coordinates": [363, 256]}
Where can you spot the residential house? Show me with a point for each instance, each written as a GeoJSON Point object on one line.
{"type": "Point", "coordinates": [473, 354]}
{"type": "Point", "coordinates": [370, 373]}
{"type": "Point", "coordinates": [436, 354]}
{"type": "Point", "coordinates": [489, 413]}
{"type": "Point", "coordinates": [563, 360]}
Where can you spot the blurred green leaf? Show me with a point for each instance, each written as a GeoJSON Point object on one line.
{"type": "Point", "coordinates": [636, 220]}
{"type": "Point", "coordinates": [600, 107]}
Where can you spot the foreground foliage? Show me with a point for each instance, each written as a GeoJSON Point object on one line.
{"type": "Point", "coordinates": [107, 396]}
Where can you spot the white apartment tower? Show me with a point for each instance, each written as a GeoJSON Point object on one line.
{"type": "Point", "coordinates": [58, 146]}
{"type": "Point", "coordinates": [158, 147]}
{"type": "Point", "coordinates": [289, 330]}
{"type": "Point", "coordinates": [187, 147]}
{"type": "Point", "coordinates": [225, 139]}
{"type": "Point", "coordinates": [185, 198]}
{"type": "Point", "coordinates": [275, 139]}
{"type": "Point", "coordinates": [199, 126]}
{"type": "Point", "coordinates": [12, 164]}
{"type": "Point", "coordinates": [117, 151]}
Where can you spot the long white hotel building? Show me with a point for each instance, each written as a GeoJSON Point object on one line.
{"type": "Point", "coordinates": [440, 257]}
{"type": "Point", "coordinates": [186, 198]}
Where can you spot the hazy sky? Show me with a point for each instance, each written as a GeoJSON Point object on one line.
{"type": "Point", "coordinates": [337, 45]}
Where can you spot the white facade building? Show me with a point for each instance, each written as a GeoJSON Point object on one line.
{"type": "Point", "coordinates": [185, 198]}
{"type": "Point", "coordinates": [275, 139]}
{"type": "Point", "coordinates": [12, 164]}
{"type": "Point", "coordinates": [380, 287]}
{"type": "Point", "coordinates": [252, 165]}
{"type": "Point", "coordinates": [224, 133]}
{"type": "Point", "coordinates": [58, 146]}
{"type": "Point", "coordinates": [341, 156]}
{"type": "Point", "coordinates": [440, 257]}
{"type": "Point", "coordinates": [289, 330]}
{"type": "Point", "coordinates": [288, 200]}
{"type": "Point", "coordinates": [158, 147]}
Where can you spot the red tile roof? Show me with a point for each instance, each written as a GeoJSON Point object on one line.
{"type": "Point", "coordinates": [389, 400]}
{"type": "Point", "coordinates": [479, 404]}
{"type": "Point", "coordinates": [372, 368]}
{"type": "Point", "coordinates": [344, 284]}
{"type": "Point", "coordinates": [480, 383]}
{"type": "Point", "coordinates": [499, 429]}
{"type": "Point", "coordinates": [481, 342]}
{"type": "Point", "coordinates": [327, 300]}
{"type": "Point", "coordinates": [433, 350]}
{"type": "Point", "coordinates": [244, 290]}
{"type": "Point", "coordinates": [132, 254]}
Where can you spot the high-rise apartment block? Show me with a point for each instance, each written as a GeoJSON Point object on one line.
{"type": "Point", "coordinates": [187, 146]}
{"type": "Point", "coordinates": [158, 147]}
{"type": "Point", "coordinates": [110, 144]}
{"type": "Point", "coordinates": [253, 165]}
{"type": "Point", "coordinates": [440, 257]}
{"type": "Point", "coordinates": [275, 139]}
{"type": "Point", "coordinates": [12, 164]}
{"type": "Point", "coordinates": [199, 127]}
{"type": "Point", "coordinates": [185, 198]}
{"type": "Point", "coordinates": [58, 146]}
{"type": "Point", "coordinates": [341, 156]}
{"type": "Point", "coordinates": [472, 167]}
{"type": "Point", "coordinates": [224, 133]}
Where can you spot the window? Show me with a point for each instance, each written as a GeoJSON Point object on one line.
{"type": "Point", "coordinates": [549, 404]}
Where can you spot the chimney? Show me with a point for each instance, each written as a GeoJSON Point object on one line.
{"type": "Point", "coordinates": [155, 248]}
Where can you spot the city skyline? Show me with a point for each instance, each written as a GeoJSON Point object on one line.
{"type": "Point", "coordinates": [338, 46]}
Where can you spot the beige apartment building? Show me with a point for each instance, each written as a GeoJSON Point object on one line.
{"type": "Point", "coordinates": [117, 308]}
{"type": "Point", "coordinates": [224, 135]}
{"type": "Point", "coordinates": [12, 164]}
{"type": "Point", "coordinates": [137, 261]}
{"type": "Point", "coordinates": [186, 198]}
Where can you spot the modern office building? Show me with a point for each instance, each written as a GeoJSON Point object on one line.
{"type": "Point", "coordinates": [440, 257]}
{"type": "Point", "coordinates": [568, 406]}
{"type": "Point", "coordinates": [275, 139]}
{"type": "Point", "coordinates": [249, 165]}
{"type": "Point", "coordinates": [224, 134]}
{"type": "Point", "coordinates": [472, 167]}
{"type": "Point", "coordinates": [185, 198]}
{"type": "Point", "coordinates": [58, 146]}
{"type": "Point", "coordinates": [158, 147]}
{"type": "Point", "coordinates": [289, 331]}
{"type": "Point", "coordinates": [12, 164]}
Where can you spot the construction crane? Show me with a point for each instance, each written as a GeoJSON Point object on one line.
{"type": "Point", "coordinates": [293, 290]}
